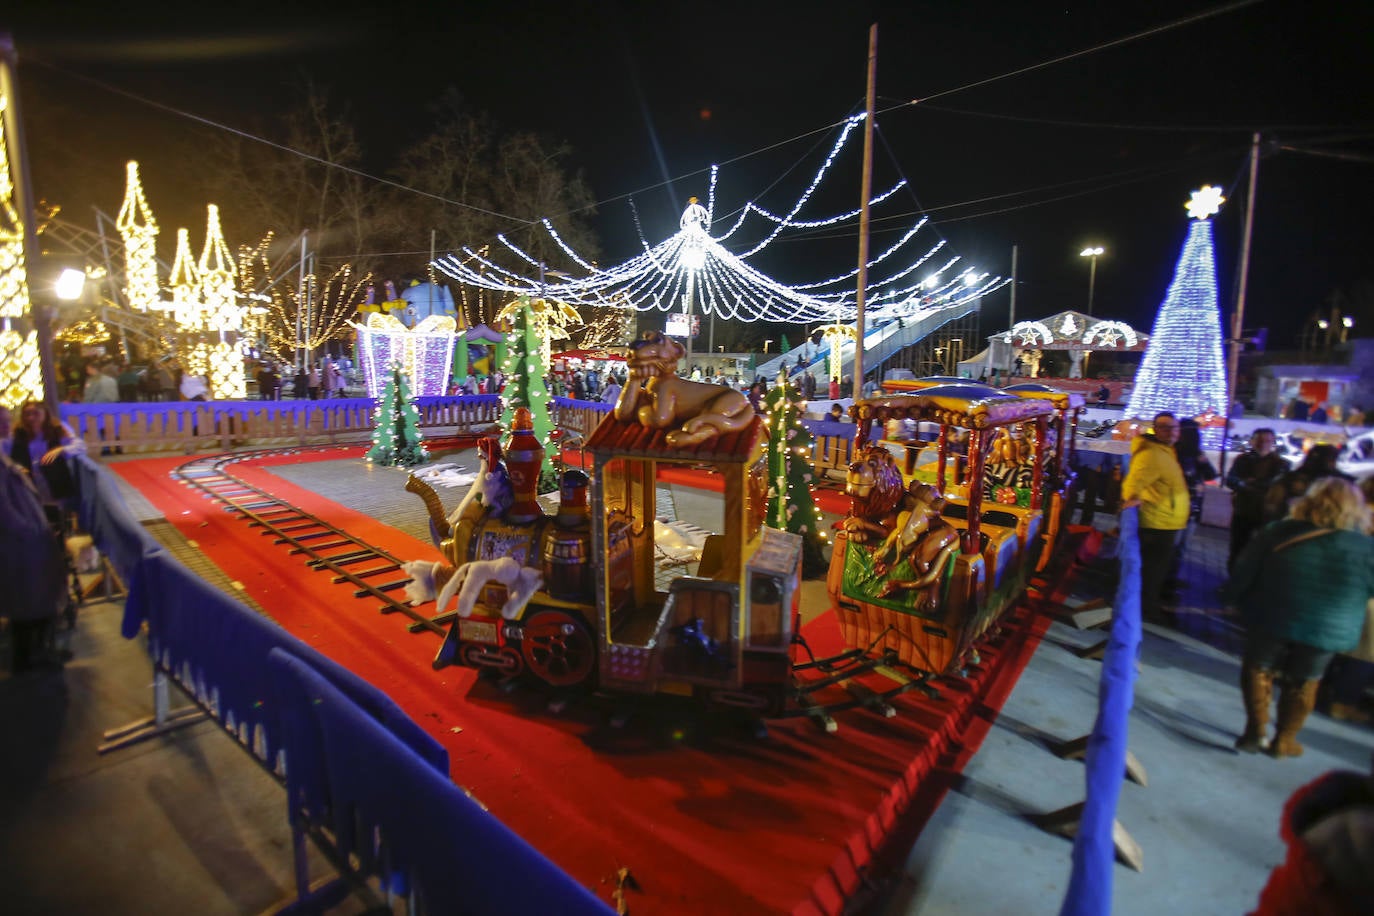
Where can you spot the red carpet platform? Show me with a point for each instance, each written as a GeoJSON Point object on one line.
{"type": "Point", "coordinates": [707, 818]}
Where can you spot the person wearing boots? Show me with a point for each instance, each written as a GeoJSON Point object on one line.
{"type": "Point", "coordinates": [1250, 478]}
{"type": "Point", "coordinates": [1302, 585]}
{"type": "Point", "coordinates": [1156, 484]}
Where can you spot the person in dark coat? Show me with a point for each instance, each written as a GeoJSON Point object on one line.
{"type": "Point", "coordinates": [1319, 462]}
{"type": "Point", "coordinates": [1302, 585]}
{"type": "Point", "coordinates": [33, 570]}
{"type": "Point", "coordinates": [1250, 478]}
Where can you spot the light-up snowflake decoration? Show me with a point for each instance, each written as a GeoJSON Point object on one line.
{"type": "Point", "coordinates": [1204, 202]}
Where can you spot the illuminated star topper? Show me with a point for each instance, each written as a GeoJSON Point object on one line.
{"type": "Point", "coordinates": [1205, 201]}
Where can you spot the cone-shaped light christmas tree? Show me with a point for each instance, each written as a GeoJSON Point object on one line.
{"type": "Point", "coordinates": [396, 442]}
{"type": "Point", "coordinates": [791, 505]}
{"type": "Point", "coordinates": [1183, 369]}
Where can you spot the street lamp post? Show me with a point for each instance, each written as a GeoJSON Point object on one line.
{"type": "Point", "coordinates": [1093, 253]}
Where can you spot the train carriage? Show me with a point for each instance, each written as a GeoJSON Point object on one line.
{"type": "Point", "coordinates": [890, 586]}
{"type": "Point", "coordinates": [1059, 475]}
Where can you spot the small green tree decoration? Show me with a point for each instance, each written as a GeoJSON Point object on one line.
{"type": "Point", "coordinates": [525, 370]}
{"type": "Point", "coordinates": [396, 441]}
{"type": "Point", "coordinates": [791, 505]}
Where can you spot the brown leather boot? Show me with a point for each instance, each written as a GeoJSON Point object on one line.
{"type": "Point", "coordinates": [1257, 690]}
{"type": "Point", "coordinates": [1295, 703]}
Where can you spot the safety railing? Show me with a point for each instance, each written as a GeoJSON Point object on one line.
{"type": "Point", "coordinates": [364, 782]}
{"type": "Point", "coordinates": [197, 426]}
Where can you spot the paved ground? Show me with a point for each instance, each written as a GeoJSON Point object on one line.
{"type": "Point", "coordinates": [190, 824]}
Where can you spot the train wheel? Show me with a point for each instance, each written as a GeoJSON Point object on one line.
{"type": "Point", "coordinates": [558, 648]}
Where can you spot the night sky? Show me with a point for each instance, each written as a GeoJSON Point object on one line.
{"type": "Point", "coordinates": [1102, 148]}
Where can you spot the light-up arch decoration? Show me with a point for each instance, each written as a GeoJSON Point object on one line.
{"type": "Point", "coordinates": [424, 353]}
{"type": "Point", "coordinates": [1110, 334]}
{"type": "Point", "coordinates": [1030, 334]}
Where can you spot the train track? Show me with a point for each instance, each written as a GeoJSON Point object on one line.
{"type": "Point", "coordinates": [377, 574]}
{"type": "Point", "coordinates": [328, 549]}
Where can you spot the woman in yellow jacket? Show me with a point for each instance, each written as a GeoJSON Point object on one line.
{"type": "Point", "coordinates": [1156, 484]}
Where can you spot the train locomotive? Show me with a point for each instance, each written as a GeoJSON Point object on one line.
{"type": "Point", "coordinates": [573, 599]}
{"type": "Point", "coordinates": [943, 534]}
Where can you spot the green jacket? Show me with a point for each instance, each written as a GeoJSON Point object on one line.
{"type": "Point", "coordinates": [1312, 591]}
{"type": "Point", "coordinates": [1156, 479]}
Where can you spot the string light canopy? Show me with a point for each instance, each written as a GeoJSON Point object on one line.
{"type": "Point", "coordinates": [1182, 370]}
{"type": "Point", "coordinates": [694, 270]}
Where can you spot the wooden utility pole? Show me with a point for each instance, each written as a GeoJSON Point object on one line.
{"type": "Point", "coordinates": [1238, 314]}
{"type": "Point", "coordinates": [867, 191]}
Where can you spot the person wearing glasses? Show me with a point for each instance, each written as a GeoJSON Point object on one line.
{"type": "Point", "coordinates": [1155, 483]}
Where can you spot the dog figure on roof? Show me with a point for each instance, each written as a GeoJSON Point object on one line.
{"type": "Point", "coordinates": [656, 397]}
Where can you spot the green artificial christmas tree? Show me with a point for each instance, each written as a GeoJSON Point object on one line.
{"type": "Point", "coordinates": [525, 370]}
{"type": "Point", "coordinates": [791, 506]}
{"type": "Point", "coordinates": [397, 442]}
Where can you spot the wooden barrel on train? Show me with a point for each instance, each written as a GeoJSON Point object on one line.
{"type": "Point", "coordinates": [567, 565]}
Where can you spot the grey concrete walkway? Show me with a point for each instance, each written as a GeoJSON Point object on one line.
{"type": "Point", "coordinates": [190, 824]}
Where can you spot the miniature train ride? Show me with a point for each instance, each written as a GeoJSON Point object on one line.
{"type": "Point", "coordinates": [921, 568]}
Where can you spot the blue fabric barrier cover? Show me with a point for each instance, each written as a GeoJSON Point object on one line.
{"type": "Point", "coordinates": [591, 405]}
{"type": "Point", "coordinates": [217, 647]}
{"type": "Point", "coordinates": [833, 429]}
{"type": "Point", "coordinates": [1094, 853]}
{"type": "Point", "coordinates": [458, 857]}
{"type": "Point", "coordinates": [107, 519]}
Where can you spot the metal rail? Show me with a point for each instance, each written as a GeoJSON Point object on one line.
{"type": "Point", "coordinates": [326, 547]}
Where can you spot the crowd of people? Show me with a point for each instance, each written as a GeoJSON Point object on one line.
{"type": "Point", "coordinates": [323, 379]}
{"type": "Point", "coordinates": [1301, 567]}
{"type": "Point", "coordinates": [1320, 412]}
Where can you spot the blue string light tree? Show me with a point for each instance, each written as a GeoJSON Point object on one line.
{"type": "Point", "coordinates": [396, 441]}
{"type": "Point", "coordinates": [1183, 370]}
{"type": "Point", "coordinates": [791, 504]}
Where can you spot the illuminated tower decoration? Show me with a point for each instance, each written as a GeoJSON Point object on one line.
{"type": "Point", "coordinates": [20, 377]}
{"type": "Point", "coordinates": [222, 316]}
{"type": "Point", "coordinates": [525, 367]}
{"type": "Point", "coordinates": [397, 441]}
{"type": "Point", "coordinates": [1183, 371]}
{"type": "Point", "coordinates": [139, 231]}
{"type": "Point", "coordinates": [791, 504]}
{"type": "Point", "coordinates": [185, 284]}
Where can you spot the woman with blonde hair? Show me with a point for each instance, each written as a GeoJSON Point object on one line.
{"type": "Point", "coordinates": [1302, 585]}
